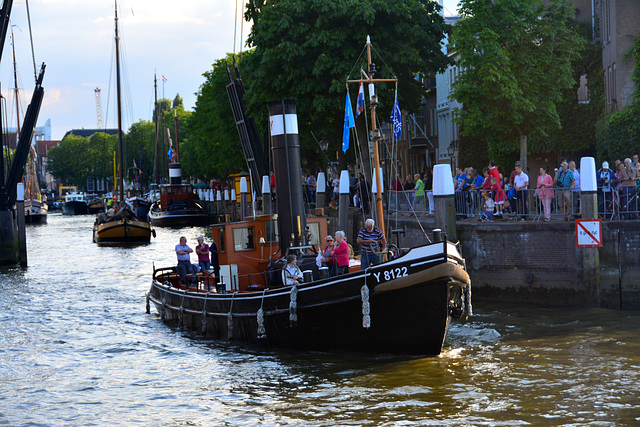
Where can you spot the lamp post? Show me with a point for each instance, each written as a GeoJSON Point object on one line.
{"type": "Point", "coordinates": [451, 150]}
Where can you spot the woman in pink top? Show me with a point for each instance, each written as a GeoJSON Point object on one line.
{"type": "Point", "coordinates": [498, 195]}
{"type": "Point", "coordinates": [341, 254]}
{"type": "Point", "coordinates": [203, 254]}
{"type": "Point", "coordinates": [545, 191]}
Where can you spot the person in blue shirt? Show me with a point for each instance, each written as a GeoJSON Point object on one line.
{"type": "Point", "coordinates": [606, 179]}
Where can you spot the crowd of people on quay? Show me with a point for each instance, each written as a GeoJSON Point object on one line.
{"type": "Point", "coordinates": [496, 194]}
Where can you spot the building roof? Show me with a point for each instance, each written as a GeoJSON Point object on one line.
{"type": "Point", "coordinates": [43, 147]}
{"type": "Point", "coordinates": [89, 132]}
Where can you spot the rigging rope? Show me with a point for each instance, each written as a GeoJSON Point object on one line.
{"type": "Point", "coordinates": [33, 53]}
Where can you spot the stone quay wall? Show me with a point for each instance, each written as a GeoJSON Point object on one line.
{"type": "Point", "coordinates": [539, 262]}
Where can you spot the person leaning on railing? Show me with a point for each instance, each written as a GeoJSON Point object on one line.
{"type": "Point", "coordinates": [564, 181]}
{"type": "Point", "coordinates": [605, 179]}
{"type": "Point", "coordinates": [545, 191]}
{"type": "Point", "coordinates": [628, 177]}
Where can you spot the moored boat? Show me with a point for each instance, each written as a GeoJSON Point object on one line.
{"type": "Point", "coordinates": [399, 307]}
{"type": "Point", "coordinates": [75, 204]}
{"type": "Point", "coordinates": [35, 207]}
{"type": "Point", "coordinates": [123, 226]}
{"type": "Point", "coordinates": [177, 205]}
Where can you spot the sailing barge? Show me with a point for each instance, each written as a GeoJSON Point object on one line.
{"type": "Point", "coordinates": [402, 306]}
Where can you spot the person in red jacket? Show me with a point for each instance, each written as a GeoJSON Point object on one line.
{"type": "Point", "coordinates": [341, 253]}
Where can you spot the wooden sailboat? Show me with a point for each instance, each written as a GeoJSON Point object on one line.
{"type": "Point", "coordinates": [122, 225]}
{"type": "Point", "coordinates": [401, 306]}
{"type": "Point", "coordinates": [35, 208]}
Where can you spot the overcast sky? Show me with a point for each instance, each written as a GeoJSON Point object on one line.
{"type": "Point", "coordinates": [75, 38]}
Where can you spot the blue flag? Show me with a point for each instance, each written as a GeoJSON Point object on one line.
{"type": "Point", "coordinates": [349, 122]}
{"type": "Point", "coordinates": [360, 103]}
{"type": "Point", "coordinates": [170, 153]}
{"type": "Point", "coordinates": [396, 119]}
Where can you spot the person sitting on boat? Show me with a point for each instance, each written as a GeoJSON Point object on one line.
{"type": "Point", "coordinates": [291, 273]}
{"type": "Point", "coordinates": [327, 260]}
{"type": "Point", "coordinates": [203, 255]}
{"type": "Point", "coordinates": [184, 260]}
{"type": "Point", "coordinates": [371, 240]}
{"type": "Point", "coordinates": [341, 254]}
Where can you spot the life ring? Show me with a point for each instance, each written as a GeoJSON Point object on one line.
{"type": "Point", "coordinates": [394, 252]}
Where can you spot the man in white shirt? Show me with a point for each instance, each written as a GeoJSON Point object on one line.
{"type": "Point", "coordinates": [521, 185]}
{"type": "Point", "coordinates": [184, 267]}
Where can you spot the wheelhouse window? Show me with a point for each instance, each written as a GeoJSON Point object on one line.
{"type": "Point", "coordinates": [243, 239]}
{"type": "Point", "coordinates": [221, 246]}
{"type": "Point", "coordinates": [314, 230]}
{"type": "Point", "coordinates": [271, 228]}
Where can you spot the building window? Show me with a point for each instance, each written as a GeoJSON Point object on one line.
{"type": "Point", "coordinates": [583, 90]}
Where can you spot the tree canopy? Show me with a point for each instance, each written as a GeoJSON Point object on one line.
{"type": "Point", "coordinates": [213, 149]}
{"type": "Point", "coordinates": [77, 158]}
{"type": "Point", "coordinates": [306, 49]}
{"type": "Point", "coordinates": [516, 56]}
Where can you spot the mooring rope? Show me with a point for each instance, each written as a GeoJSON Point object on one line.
{"type": "Point", "coordinates": [230, 318]}
{"type": "Point", "coordinates": [366, 307]}
{"type": "Point", "coordinates": [262, 332]}
{"type": "Point", "coordinates": [293, 305]}
{"type": "Point", "coordinates": [204, 314]}
{"type": "Point", "coordinates": [467, 297]}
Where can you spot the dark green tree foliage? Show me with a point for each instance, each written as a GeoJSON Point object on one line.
{"type": "Point", "coordinates": [579, 121]}
{"type": "Point", "coordinates": [517, 59]}
{"type": "Point", "coordinates": [213, 148]}
{"type": "Point", "coordinates": [620, 134]}
{"type": "Point", "coordinates": [77, 158]}
{"type": "Point", "coordinates": [140, 146]}
{"type": "Point", "coordinates": [305, 49]}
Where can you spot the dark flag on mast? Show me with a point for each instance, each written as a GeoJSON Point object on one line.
{"type": "Point", "coordinates": [396, 119]}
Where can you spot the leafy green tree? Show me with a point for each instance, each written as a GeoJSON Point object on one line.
{"type": "Point", "coordinates": [306, 49]}
{"type": "Point", "coordinates": [213, 147]}
{"type": "Point", "coordinates": [139, 146]}
{"type": "Point", "coordinates": [77, 158]}
{"type": "Point", "coordinates": [579, 121]}
{"type": "Point", "coordinates": [516, 56]}
{"type": "Point", "coordinates": [178, 102]}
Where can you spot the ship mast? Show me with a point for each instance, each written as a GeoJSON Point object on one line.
{"type": "Point", "coordinates": [373, 103]}
{"type": "Point", "coordinates": [119, 103]}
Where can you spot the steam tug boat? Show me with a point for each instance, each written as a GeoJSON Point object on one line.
{"type": "Point", "coordinates": [177, 205]}
{"type": "Point", "coordinates": [401, 306]}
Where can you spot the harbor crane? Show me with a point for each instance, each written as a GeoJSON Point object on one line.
{"type": "Point", "coordinates": [97, 91]}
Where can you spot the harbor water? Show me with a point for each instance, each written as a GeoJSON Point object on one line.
{"type": "Point", "coordinates": [78, 349]}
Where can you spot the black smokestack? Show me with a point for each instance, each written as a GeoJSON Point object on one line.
{"type": "Point", "coordinates": [285, 145]}
{"type": "Point", "coordinates": [175, 173]}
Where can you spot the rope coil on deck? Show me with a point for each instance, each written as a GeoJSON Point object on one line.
{"type": "Point", "coordinates": [366, 307]}
{"type": "Point", "coordinates": [262, 332]}
{"type": "Point", "coordinates": [230, 319]}
{"type": "Point", "coordinates": [293, 305]}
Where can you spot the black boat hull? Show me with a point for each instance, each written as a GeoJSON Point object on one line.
{"type": "Point", "coordinates": [75, 208]}
{"type": "Point", "coordinates": [408, 314]}
{"type": "Point", "coordinates": [178, 218]}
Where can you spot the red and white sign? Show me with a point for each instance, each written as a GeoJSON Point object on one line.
{"type": "Point", "coordinates": [588, 233]}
